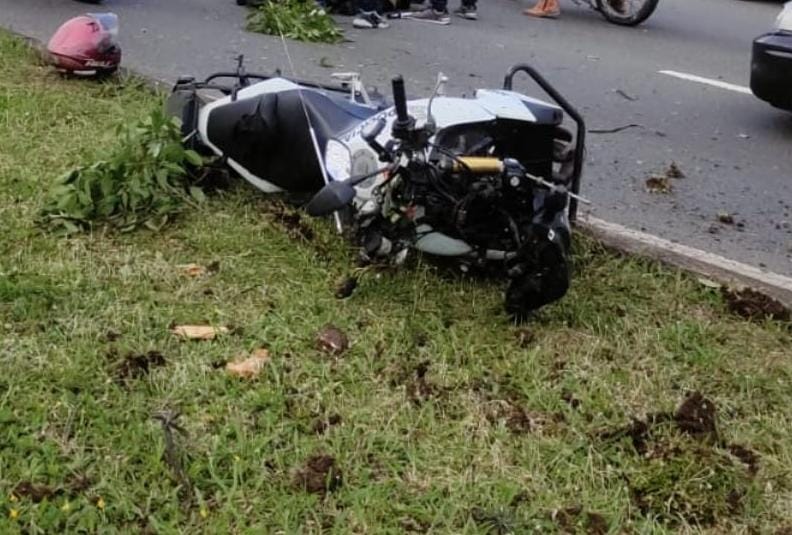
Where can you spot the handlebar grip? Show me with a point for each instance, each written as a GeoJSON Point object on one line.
{"type": "Point", "coordinates": [400, 99]}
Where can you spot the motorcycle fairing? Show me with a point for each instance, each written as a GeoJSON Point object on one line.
{"type": "Point", "coordinates": [268, 121]}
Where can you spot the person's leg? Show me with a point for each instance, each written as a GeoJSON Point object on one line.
{"type": "Point", "coordinates": [437, 14]}
{"type": "Point", "coordinates": [467, 10]}
{"type": "Point", "coordinates": [545, 9]}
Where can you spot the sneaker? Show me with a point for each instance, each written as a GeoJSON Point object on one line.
{"type": "Point", "coordinates": [369, 20]}
{"type": "Point", "coordinates": [430, 15]}
{"type": "Point", "coordinates": [465, 12]}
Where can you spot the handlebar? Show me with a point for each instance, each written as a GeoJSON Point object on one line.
{"type": "Point", "coordinates": [400, 100]}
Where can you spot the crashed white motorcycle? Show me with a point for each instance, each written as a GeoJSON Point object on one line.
{"type": "Point", "coordinates": [490, 180]}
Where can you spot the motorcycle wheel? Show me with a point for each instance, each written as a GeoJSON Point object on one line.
{"type": "Point", "coordinates": [634, 13]}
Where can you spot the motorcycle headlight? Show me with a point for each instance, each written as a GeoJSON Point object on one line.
{"type": "Point", "coordinates": [784, 21]}
{"type": "Point", "coordinates": [338, 160]}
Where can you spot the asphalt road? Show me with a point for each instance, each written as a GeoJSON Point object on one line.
{"type": "Point", "coordinates": [735, 151]}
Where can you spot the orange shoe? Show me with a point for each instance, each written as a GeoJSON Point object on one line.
{"type": "Point", "coordinates": [542, 10]}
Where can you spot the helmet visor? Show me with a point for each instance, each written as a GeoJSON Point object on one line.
{"type": "Point", "coordinates": [108, 22]}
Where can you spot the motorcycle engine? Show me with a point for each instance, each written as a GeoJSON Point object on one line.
{"type": "Point", "coordinates": [487, 203]}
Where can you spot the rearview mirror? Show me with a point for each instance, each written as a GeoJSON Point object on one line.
{"type": "Point", "coordinates": [331, 198]}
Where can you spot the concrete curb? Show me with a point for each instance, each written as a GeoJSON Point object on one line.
{"type": "Point", "coordinates": [711, 266]}
{"type": "Point", "coordinates": [623, 239]}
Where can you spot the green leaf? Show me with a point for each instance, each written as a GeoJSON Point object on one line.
{"type": "Point", "coordinates": [193, 158]}
{"type": "Point", "coordinates": [197, 194]}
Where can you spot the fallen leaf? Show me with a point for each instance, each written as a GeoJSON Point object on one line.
{"type": "Point", "coordinates": [199, 332]}
{"type": "Point", "coordinates": [251, 366]}
{"type": "Point", "coordinates": [192, 270]}
{"type": "Point", "coordinates": [709, 283]}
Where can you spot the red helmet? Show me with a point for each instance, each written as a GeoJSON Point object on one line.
{"type": "Point", "coordinates": [87, 45]}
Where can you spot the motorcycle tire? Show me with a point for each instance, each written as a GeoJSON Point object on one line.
{"type": "Point", "coordinates": [645, 11]}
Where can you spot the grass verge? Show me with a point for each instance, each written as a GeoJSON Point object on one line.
{"type": "Point", "coordinates": [439, 416]}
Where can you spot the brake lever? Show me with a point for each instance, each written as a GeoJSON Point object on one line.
{"type": "Point", "coordinates": [370, 137]}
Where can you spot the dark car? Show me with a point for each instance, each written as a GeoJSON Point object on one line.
{"type": "Point", "coordinates": [771, 65]}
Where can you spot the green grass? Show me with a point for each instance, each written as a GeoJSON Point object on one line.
{"type": "Point", "coordinates": [507, 430]}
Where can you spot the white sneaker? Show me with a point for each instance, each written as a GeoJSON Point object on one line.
{"type": "Point", "coordinates": [369, 20]}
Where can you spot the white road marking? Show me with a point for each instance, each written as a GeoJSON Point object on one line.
{"type": "Point", "coordinates": [708, 81]}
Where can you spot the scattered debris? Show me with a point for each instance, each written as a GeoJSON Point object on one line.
{"type": "Point", "coordinates": [525, 337]}
{"type": "Point", "coordinates": [726, 218]}
{"type": "Point", "coordinates": [576, 520]}
{"type": "Point", "coordinates": [753, 305]}
{"type": "Point", "coordinates": [333, 340]}
{"type": "Point", "coordinates": [199, 332]}
{"type": "Point", "coordinates": [250, 367]}
{"type": "Point", "coordinates": [697, 416]}
{"type": "Point", "coordinates": [321, 425]}
{"type": "Point", "coordinates": [319, 475]}
{"type": "Point", "coordinates": [624, 95]}
{"type": "Point", "coordinates": [137, 366]}
{"type": "Point", "coordinates": [35, 492]}
{"type": "Point", "coordinates": [658, 184]}
{"type": "Point", "coordinates": [78, 483]}
{"type": "Point", "coordinates": [112, 335]}
{"type": "Point", "coordinates": [662, 183]}
{"type": "Point", "coordinates": [409, 524]}
{"type": "Point", "coordinates": [192, 270]}
{"type": "Point", "coordinates": [518, 421]}
{"type": "Point", "coordinates": [420, 390]}
{"type": "Point", "coordinates": [747, 456]}
{"type": "Point", "coordinates": [687, 473]}
{"type": "Point", "coordinates": [615, 130]}
{"type": "Point", "coordinates": [570, 399]}
{"type": "Point", "coordinates": [744, 136]}
{"type": "Point", "coordinates": [292, 221]}
{"type": "Point", "coordinates": [674, 171]}
{"type": "Point", "coordinates": [169, 421]}
{"type": "Point", "coordinates": [325, 63]}
{"type": "Point", "coordinates": [346, 287]}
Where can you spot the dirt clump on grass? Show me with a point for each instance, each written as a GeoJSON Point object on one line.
{"type": "Point", "coordinates": [322, 425]}
{"type": "Point", "coordinates": [33, 491]}
{"type": "Point", "coordinates": [136, 366]}
{"type": "Point", "coordinates": [332, 340]}
{"type": "Point", "coordinates": [419, 389]}
{"type": "Point", "coordinates": [576, 520]}
{"type": "Point", "coordinates": [753, 305]}
{"type": "Point", "coordinates": [319, 475]}
{"type": "Point", "coordinates": [684, 472]}
{"type": "Point", "coordinates": [746, 456]}
{"type": "Point", "coordinates": [292, 222]}
{"type": "Point", "coordinates": [697, 416]}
